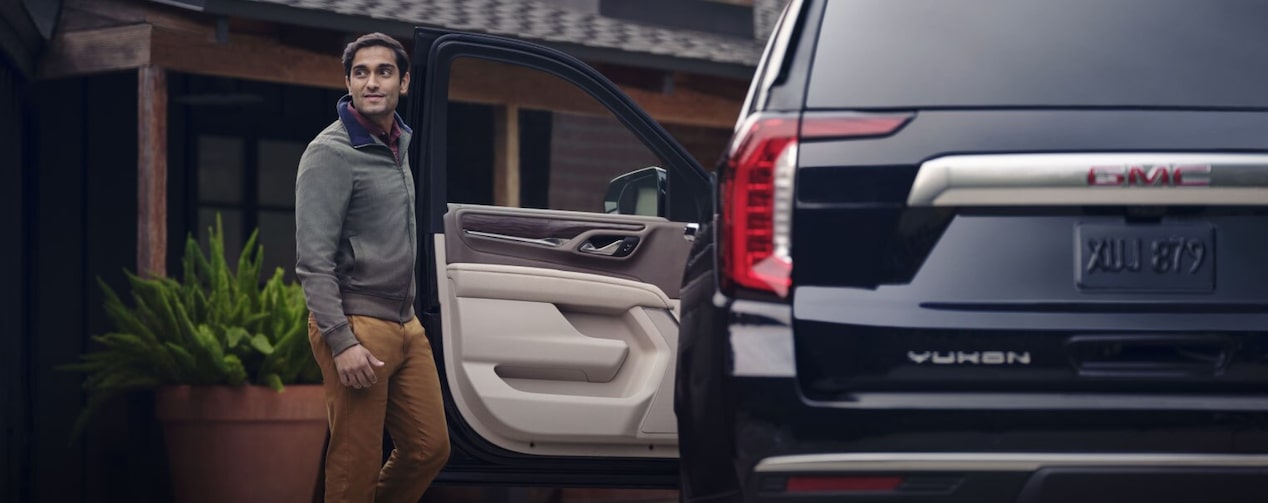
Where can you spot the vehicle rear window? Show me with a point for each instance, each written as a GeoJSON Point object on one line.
{"type": "Point", "coordinates": [1019, 53]}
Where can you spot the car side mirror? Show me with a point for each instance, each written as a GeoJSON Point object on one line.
{"type": "Point", "coordinates": [639, 192]}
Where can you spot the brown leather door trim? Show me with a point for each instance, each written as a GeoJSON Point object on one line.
{"type": "Point", "coordinates": [658, 259]}
{"type": "Point", "coordinates": [536, 227]}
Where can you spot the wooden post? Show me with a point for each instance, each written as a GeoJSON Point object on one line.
{"type": "Point", "coordinates": [506, 156]}
{"type": "Point", "coordinates": [151, 223]}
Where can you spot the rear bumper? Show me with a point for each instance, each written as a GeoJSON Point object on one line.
{"type": "Point", "coordinates": [916, 462]}
{"type": "Point", "coordinates": [986, 454]}
{"type": "Point", "coordinates": [979, 447]}
{"type": "Point", "coordinates": [1021, 477]}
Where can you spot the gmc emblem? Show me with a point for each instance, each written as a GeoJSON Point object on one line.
{"type": "Point", "coordinates": [1179, 175]}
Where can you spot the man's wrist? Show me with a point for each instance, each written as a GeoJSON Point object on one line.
{"type": "Point", "coordinates": [344, 350]}
{"type": "Point", "coordinates": [340, 339]}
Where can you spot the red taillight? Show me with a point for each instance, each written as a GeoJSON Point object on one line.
{"type": "Point", "coordinates": [842, 484]}
{"type": "Point", "coordinates": [748, 204]}
{"type": "Point", "coordinates": [756, 217]}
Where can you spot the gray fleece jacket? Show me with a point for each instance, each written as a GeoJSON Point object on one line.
{"type": "Point", "coordinates": [354, 228]}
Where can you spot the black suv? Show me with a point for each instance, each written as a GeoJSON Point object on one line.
{"type": "Point", "coordinates": [974, 250]}
{"type": "Point", "coordinates": [993, 251]}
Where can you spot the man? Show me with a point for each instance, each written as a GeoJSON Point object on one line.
{"type": "Point", "coordinates": [355, 235]}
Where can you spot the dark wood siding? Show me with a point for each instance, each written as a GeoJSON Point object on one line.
{"type": "Point", "coordinates": [14, 336]}
{"type": "Point", "coordinates": [83, 223]}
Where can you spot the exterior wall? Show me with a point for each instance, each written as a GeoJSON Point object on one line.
{"type": "Point", "coordinates": [83, 227]}
{"type": "Point", "coordinates": [707, 145]}
{"type": "Point", "coordinates": [587, 152]}
{"type": "Point", "coordinates": [14, 400]}
{"type": "Point", "coordinates": [24, 28]}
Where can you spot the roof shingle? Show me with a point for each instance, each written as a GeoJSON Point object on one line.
{"type": "Point", "coordinates": [538, 21]}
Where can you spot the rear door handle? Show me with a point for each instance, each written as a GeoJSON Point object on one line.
{"type": "Point", "coordinates": [607, 251]}
{"type": "Point", "coordinates": [622, 247]}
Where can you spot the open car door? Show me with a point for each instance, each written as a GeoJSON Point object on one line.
{"type": "Point", "coordinates": [552, 313]}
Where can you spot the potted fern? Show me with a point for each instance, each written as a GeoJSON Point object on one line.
{"type": "Point", "coordinates": [232, 370]}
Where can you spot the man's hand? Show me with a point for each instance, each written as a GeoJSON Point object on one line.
{"type": "Point", "coordinates": [356, 367]}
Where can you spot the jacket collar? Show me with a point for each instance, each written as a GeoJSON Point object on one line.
{"type": "Point", "coordinates": [357, 134]}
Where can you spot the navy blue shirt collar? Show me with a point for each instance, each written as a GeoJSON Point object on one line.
{"type": "Point", "coordinates": [357, 133]}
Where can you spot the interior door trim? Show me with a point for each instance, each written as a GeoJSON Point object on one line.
{"type": "Point", "coordinates": [648, 445]}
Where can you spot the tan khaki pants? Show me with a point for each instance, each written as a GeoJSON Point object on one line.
{"type": "Point", "coordinates": [406, 400]}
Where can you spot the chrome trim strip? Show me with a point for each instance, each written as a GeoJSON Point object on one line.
{"type": "Point", "coordinates": [551, 242]}
{"type": "Point", "coordinates": [1062, 180]}
{"type": "Point", "coordinates": [1044, 401]}
{"type": "Point", "coordinates": [998, 462]}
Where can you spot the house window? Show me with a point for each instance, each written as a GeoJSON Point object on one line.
{"type": "Point", "coordinates": [251, 184]}
{"type": "Point", "coordinates": [277, 162]}
{"type": "Point", "coordinates": [221, 162]}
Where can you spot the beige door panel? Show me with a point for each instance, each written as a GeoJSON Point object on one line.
{"type": "Point", "coordinates": [660, 418]}
{"type": "Point", "coordinates": [540, 411]}
{"type": "Point", "coordinates": [539, 337]}
{"type": "Point", "coordinates": [558, 362]}
{"type": "Point", "coordinates": [610, 295]}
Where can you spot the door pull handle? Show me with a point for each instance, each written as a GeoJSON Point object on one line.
{"type": "Point", "coordinates": [616, 249]}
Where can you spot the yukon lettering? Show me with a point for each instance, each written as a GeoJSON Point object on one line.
{"type": "Point", "coordinates": [970, 357]}
{"type": "Point", "coordinates": [1180, 175]}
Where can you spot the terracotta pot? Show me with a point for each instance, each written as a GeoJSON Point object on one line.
{"type": "Point", "coordinates": [243, 444]}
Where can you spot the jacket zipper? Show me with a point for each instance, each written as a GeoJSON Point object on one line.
{"type": "Point", "coordinates": [409, 216]}
{"type": "Point", "coordinates": [413, 268]}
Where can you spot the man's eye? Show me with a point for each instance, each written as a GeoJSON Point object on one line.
{"type": "Point", "coordinates": [385, 73]}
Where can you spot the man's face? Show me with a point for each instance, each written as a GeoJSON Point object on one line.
{"type": "Point", "coordinates": [375, 82]}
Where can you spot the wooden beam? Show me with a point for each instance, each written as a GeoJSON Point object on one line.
{"type": "Point", "coordinates": [688, 108]}
{"type": "Point", "coordinates": [494, 83]}
{"type": "Point", "coordinates": [475, 81]}
{"type": "Point", "coordinates": [91, 14]}
{"type": "Point", "coordinates": [506, 156]}
{"type": "Point", "coordinates": [95, 51]}
{"type": "Point", "coordinates": [722, 87]}
{"type": "Point", "coordinates": [264, 58]}
{"type": "Point", "coordinates": [151, 221]}
{"type": "Point", "coordinates": [249, 57]}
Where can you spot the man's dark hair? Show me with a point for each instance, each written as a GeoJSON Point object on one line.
{"type": "Point", "coordinates": [371, 40]}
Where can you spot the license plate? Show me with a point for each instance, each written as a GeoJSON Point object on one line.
{"type": "Point", "coordinates": [1153, 258]}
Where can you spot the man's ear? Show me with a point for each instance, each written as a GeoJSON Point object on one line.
{"type": "Point", "coordinates": [347, 82]}
{"type": "Point", "coordinates": [405, 83]}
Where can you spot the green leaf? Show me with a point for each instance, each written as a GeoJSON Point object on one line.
{"type": "Point", "coordinates": [235, 372]}
{"type": "Point", "coordinates": [183, 357]}
{"type": "Point", "coordinates": [273, 381]}
{"type": "Point", "coordinates": [235, 335]}
{"type": "Point", "coordinates": [262, 344]}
